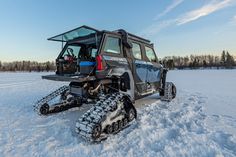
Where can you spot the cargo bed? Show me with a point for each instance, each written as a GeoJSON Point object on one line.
{"type": "Point", "coordinates": [69, 77]}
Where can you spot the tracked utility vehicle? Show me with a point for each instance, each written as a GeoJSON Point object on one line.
{"type": "Point", "coordinates": [109, 69]}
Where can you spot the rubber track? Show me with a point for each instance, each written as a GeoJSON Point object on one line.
{"type": "Point", "coordinates": [167, 92]}
{"type": "Point", "coordinates": [49, 97]}
{"type": "Point", "coordinates": [96, 115]}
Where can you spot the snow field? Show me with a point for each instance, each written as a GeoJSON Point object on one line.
{"type": "Point", "coordinates": [201, 121]}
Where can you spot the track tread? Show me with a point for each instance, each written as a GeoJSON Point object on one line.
{"type": "Point", "coordinates": [167, 92]}
{"type": "Point", "coordinates": [96, 115]}
{"type": "Point", "coordinates": [59, 107]}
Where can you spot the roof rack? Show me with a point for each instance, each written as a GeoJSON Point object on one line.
{"type": "Point", "coordinates": [134, 36]}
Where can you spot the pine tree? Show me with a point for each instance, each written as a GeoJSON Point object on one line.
{"type": "Point", "coordinates": [47, 66]}
{"type": "Point", "coordinates": [229, 60]}
{"type": "Point", "coordinates": [204, 63]}
{"type": "Point", "coordinates": [223, 58]}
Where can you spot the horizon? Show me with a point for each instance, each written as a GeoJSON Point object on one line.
{"type": "Point", "coordinates": [176, 27]}
{"type": "Point", "coordinates": [159, 58]}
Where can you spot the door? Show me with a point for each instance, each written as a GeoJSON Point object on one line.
{"type": "Point", "coordinates": [112, 51]}
{"type": "Point", "coordinates": [153, 69]}
{"type": "Point", "coordinates": [139, 69]}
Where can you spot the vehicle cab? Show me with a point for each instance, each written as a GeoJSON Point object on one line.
{"type": "Point", "coordinates": [89, 54]}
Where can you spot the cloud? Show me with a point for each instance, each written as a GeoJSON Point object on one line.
{"type": "Point", "coordinates": [156, 27]}
{"type": "Point", "coordinates": [233, 21]}
{"type": "Point", "coordinates": [234, 18]}
{"type": "Point", "coordinates": [169, 8]}
{"type": "Point", "coordinates": [205, 10]}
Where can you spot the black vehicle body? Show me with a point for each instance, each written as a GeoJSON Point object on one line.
{"type": "Point", "coordinates": [137, 76]}
{"type": "Point", "coordinates": [110, 69]}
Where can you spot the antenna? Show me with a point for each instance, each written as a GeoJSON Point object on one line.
{"type": "Point", "coordinates": [62, 42]}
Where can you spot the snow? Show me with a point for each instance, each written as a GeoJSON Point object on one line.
{"type": "Point", "coordinates": [201, 121]}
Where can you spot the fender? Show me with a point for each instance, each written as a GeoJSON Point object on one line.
{"type": "Point", "coordinates": [126, 80]}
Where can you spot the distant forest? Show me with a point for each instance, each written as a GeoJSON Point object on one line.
{"type": "Point", "coordinates": [27, 66]}
{"type": "Point", "coordinates": [200, 61]}
{"type": "Point", "coordinates": [172, 62]}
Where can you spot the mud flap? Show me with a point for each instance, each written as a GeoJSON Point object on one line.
{"type": "Point", "coordinates": [163, 82]}
{"type": "Point", "coordinates": [124, 82]}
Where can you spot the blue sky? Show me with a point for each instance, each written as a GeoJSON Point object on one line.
{"type": "Point", "coordinates": [176, 27]}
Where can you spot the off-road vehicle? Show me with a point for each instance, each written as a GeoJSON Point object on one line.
{"type": "Point", "coordinates": [109, 69]}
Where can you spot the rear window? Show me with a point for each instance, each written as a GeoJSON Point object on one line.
{"type": "Point", "coordinates": [136, 50]}
{"type": "Point", "coordinates": [112, 45]}
{"type": "Point", "coordinates": [72, 50]}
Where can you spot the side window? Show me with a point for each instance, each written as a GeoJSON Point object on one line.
{"type": "Point", "coordinates": [136, 50]}
{"type": "Point", "coordinates": [150, 54]}
{"type": "Point", "coordinates": [112, 45]}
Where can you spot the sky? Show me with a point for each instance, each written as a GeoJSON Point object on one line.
{"type": "Point", "coordinates": [176, 27]}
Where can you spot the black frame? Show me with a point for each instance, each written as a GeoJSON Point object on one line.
{"type": "Point", "coordinates": [121, 54]}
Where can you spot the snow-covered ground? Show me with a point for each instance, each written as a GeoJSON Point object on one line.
{"type": "Point", "coordinates": [201, 121]}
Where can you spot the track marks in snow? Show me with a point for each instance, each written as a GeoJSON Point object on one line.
{"type": "Point", "coordinates": [178, 128]}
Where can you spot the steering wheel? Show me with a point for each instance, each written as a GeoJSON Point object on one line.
{"type": "Point", "coordinates": [70, 51]}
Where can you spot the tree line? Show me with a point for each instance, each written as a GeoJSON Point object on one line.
{"type": "Point", "coordinates": [27, 66]}
{"type": "Point", "coordinates": [200, 61]}
{"type": "Point", "coordinates": [192, 62]}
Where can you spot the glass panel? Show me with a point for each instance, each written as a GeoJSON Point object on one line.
{"type": "Point", "coordinates": [136, 49]}
{"type": "Point", "coordinates": [72, 50]}
{"type": "Point", "coordinates": [70, 35]}
{"type": "Point", "coordinates": [112, 45]}
{"type": "Point", "coordinates": [85, 48]}
{"type": "Point", "coordinates": [150, 54]}
{"type": "Point", "coordinates": [82, 52]}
